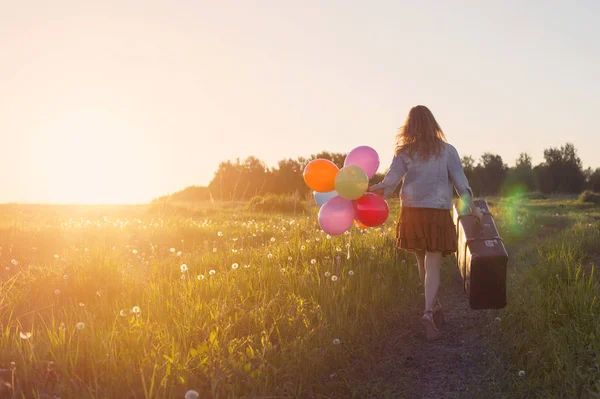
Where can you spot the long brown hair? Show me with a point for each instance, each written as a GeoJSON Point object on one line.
{"type": "Point", "coordinates": [420, 134]}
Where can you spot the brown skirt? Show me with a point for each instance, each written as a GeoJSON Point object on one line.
{"type": "Point", "coordinates": [426, 229]}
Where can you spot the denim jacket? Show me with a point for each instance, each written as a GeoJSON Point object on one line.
{"type": "Point", "coordinates": [427, 183]}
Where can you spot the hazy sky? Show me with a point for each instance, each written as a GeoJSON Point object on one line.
{"type": "Point", "coordinates": [123, 101]}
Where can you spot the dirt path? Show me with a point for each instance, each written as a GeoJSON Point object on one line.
{"type": "Point", "coordinates": [408, 366]}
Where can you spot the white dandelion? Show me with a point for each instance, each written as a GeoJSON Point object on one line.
{"type": "Point", "coordinates": [179, 253]}
{"type": "Point", "coordinates": [200, 277]}
{"type": "Point", "coordinates": [182, 277]}
{"type": "Point", "coordinates": [522, 373]}
{"type": "Point", "coordinates": [14, 262]}
{"type": "Point", "coordinates": [220, 234]}
{"type": "Point", "coordinates": [215, 250]}
{"type": "Point", "coordinates": [272, 239]}
{"type": "Point", "coordinates": [269, 256]}
{"type": "Point", "coordinates": [183, 268]}
{"type": "Point", "coordinates": [334, 278]}
{"type": "Point", "coordinates": [191, 394]}
{"type": "Point", "coordinates": [65, 276]}
{"type": "Point", "coordinates": [234, 266]}
{"type": "Point", "coordinates": [57, 292]}
{"type": "Point", "coordinates": [172, 250]}
{"type": "Point", "coordinates": [25, 335]}
{"type": "Point", "coordinates": [212, 272]}
{"type": "Point", "coordinates": [290, 258]}
{"type": "Point", "coordinates": [336, 341]}
{"type": "Point", "coordinates": [302, 248]}
{"type": "Point", "coordinates": [350, 273]}
{"type": "Point", "coordinates": [80, 326]}
{"type": "Point", "coordinates": [135, 310]}
{"type": "Point", "coordinates": [327, 274]}
{"type": "Point", "coordinates": [123, 313]}
{"type": "Point", "coordinates": [313, 261]}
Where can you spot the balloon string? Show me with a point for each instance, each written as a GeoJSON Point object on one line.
{"type": "Point", "coordinates": [349, 242]}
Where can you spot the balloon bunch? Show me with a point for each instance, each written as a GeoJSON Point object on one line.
{"type": "Point", "coordinates": [341, 193]}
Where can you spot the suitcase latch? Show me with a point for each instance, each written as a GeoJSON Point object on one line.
{"type": "Point", "coordinates": [491, 243]}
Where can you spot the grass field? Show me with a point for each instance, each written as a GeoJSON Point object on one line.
{"type": "Point", "coordinates": [128, 302]}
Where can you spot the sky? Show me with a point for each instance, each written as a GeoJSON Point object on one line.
{"type": "Point", "coordinates": [124, 101]}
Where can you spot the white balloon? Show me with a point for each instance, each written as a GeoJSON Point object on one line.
{"type": "Point", "coordinates": [322, 198]}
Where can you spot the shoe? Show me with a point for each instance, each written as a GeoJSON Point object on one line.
{"type": "Point", "coordinates": [438, 315]}
{"type": "Point", "coordinates": [431, 331]}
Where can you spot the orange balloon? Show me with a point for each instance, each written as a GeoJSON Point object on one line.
{"type": "Point", "coordinates": [320, 175]}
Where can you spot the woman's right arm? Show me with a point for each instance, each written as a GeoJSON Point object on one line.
{"type": "Point", "coordinates": [460, 182]}
{"type": "Point", "coordinates": [392, 178]}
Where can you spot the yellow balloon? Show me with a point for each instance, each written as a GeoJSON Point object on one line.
{"type": "Point", "coordinates": [351, 182]}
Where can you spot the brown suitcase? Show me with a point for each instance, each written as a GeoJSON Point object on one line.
{"type": "Point", "coordinates": [481, 258]}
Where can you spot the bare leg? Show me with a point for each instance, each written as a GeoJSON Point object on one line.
{"type": "Point", "coordinates": [433, 261]}
{"type": "Point", "coordinates": [420, 255]}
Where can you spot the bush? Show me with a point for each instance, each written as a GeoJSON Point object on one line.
{"type": "Point", "coordinates": [277, 203]}
{"type": "Point", "coordinates": [589, 196]}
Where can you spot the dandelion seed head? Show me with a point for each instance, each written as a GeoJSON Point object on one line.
{"type": "Point", "coordinates": [212, 272]}
{"type": "Point", "coordinates": [179, 253]}
{"type": "Point", "coordinates": [172, 250]}
{"type": "Point", "coordinates": [135, 310]}
{"type": "Point", "coordinates": [134, 252]}
{"type": "Point", "coordinates": [7, 268]}
{"type": "Point", "coordinates": [200, 277]}
{"type": "Point", "coordinates": [81, 304]}
{"type": "Point", "coordinates": [65, 276]}
{"type": "Point", "coordinates": [351, 273]}
{"type": "Point", "coordinates": [497, 319]}
{"type": "Point", "coordinates": [25, 335]}
{"type": "Point", "coordinates": [80, 326]}
{"type": "Point", "coordinates": [328, 236]}
{"type": "Point", "coordinates": [302, 248]}
{"type": "Point", "coordinates": [14, 262]}
{"type": "Point", "coordinates": [182, 277]}
{"type": "Point", "coordinates": [246, 266]}
{"type": "Point", "coordinates": [289, 258]}
{"type": "Point", "coordinates": [214, 249]}
{"type": "Point", "coordinates": [269, 256]}
{"type": "Point", "coordinates": [183, 268]}
{"type": "Point", "coordinates": [235, 266]}
{"type": "Point", "coordinates": [123, 313]}
{"type": "Point", "coordinates": [272, 239]}
{"type": "Point", "coordinates": [334, 278]}
{"type": "Point", "coordinates": [522, 373]}
{"type": "Point", "coordinates": [327, 274]}
{"type": "Point", "coordinates": [336, 341]}
{"type": "Point", "coordinates": [56, 256]}
{"type": "Point", "coordinates": [220, 234]}
{"type": "Point", "coordinates": [191, 394]}
{"type": "Point", "coordinates": [57, 292]}
{"type": "Point", "coordinates": [313, 261]}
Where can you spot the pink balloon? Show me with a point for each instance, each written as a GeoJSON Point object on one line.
{"type": "Point", "coordinates": [336, 215]}
{"type": "Point", "coordinates": [364, 157]}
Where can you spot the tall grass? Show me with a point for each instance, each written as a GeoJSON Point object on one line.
{"type": "Point", "coordinates": [548, 339]}
{"type": "Point", "coordinates": [150, 308]}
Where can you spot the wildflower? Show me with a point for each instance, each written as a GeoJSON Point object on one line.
{"type": "Point", "coordinates": [14, 262]}
{"type": "Point", "coordinates": [123, 313]}
{"type": "Point", "coordinates": [212, 272]}
{"type": "Point", "coordinates": [328, 237]}
{"type": "Point", "coordinates": [135, 310]}
{"type": "Point", "coordinates": [234, 266]}
{"type": "Point", "coordinates": [172, 250]}
{"type": "Point", "coordinates": [220, 234]}
{"type": "Point", "coordinates": [80, 326]}
{"type": "Point", "coordinates": [336, 341]}
{"type": "Point", "coordinates": [272, 239]}
{"type": "Point", "coordinates": [269, 256]}
{"type": "Point", "coordinates": [313, 261]}
{"type": "Point", "coordinates": [200, 277]}
{"type": "Point", "coordinates": [522, 373]}
{"type": "Point", "coordinates": [179, 253]}
{"type": "Point", "coordinates": [317, 239]}
{"type": "Point", "coordinates": [183, 268]}
{"type": "Point", "coordinates": [289, 258]}
{"type": "Point", "coordinates": [25, 336]}
{"type": "Point", "coordinates": [191, 394]}
{"type": "Point", "coordinates": [327, 274]}
{"type": "Point", "coordinates": [334, 278]}
{"type": "Point", "coordinates": [57, 292]}
{"type": "Point", "coordinates": [350, 273]}
{"type": "Point", "coordinates": [302, 248]}
{"type": "Point", "coordinates": [214, 249]}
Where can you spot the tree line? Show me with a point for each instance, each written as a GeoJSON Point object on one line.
{"type": "Point", "coordinates": [560, 172]}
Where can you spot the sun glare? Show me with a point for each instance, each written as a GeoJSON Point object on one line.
{"type": "Point", "coordinates": [87, 156]}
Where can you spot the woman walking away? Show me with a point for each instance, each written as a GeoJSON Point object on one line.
{"type": "Point", "coordinates": [429, 166]}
